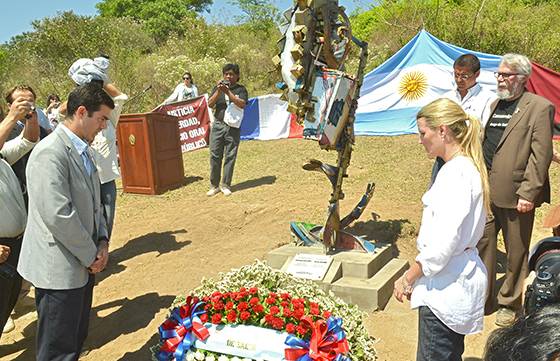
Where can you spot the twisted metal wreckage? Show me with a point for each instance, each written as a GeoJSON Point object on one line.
{"type": "Point", "coordinates": [313, 50]}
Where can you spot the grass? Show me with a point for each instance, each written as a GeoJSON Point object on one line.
{"type": "Point", "coordinates": [270, 172]}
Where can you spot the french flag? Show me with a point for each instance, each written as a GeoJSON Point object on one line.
{"type": "Point", "coordinates": [266, 117]}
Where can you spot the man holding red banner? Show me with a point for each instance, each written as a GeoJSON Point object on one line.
{"type": "Point", "coordinates": [228, 100]}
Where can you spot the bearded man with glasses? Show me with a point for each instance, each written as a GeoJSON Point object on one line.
{"type": "Point", "coordinates": [517, 149]}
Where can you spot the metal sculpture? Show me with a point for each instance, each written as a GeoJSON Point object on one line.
{"type": "Point", "coordinates": [316, 43]}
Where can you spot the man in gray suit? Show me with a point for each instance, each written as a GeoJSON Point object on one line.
{"type": "Point", "coordinates": [65, 241]}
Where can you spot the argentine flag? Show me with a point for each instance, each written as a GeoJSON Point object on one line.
{"type": "Point", "coordinates": [419, 73]}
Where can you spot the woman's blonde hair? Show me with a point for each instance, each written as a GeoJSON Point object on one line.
{"type": "Point", "coordinates": [466, 129]}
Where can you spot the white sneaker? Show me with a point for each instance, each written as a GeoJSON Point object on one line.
{"type": "Point", "coordinates": [226, 191]}
{"type": "Point", "coordinates": [213, 191]}
{"type": "Point", "coordinates": [9, 326]}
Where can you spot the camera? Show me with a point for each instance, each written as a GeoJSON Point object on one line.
{"type": "Point", "coordinates": [30, 114]}
{"type": "Point", "coordinates": [544, 259]}
{"type": "Point", "coordinates": [225, 82]}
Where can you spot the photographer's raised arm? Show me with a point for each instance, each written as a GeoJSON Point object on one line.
{"type": "Point", "coordinates": [235, 99]}
{"type": "Point", "coordinates": [18, 109]}
{"type": "Point", "coordinates": [214, 97]}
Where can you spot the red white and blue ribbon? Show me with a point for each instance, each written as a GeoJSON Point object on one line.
{"type": "Point", "coordinates": [328, 342]}
{"type": "Point", "coordinates": [180, 330]}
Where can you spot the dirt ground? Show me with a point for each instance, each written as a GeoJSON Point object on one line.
{"type": "Point", "coordinates": [164, 245]}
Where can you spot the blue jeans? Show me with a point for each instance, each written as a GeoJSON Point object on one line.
{"type": "Point", "coordinates": [436, 341]}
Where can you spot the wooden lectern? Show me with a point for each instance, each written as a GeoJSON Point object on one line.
{"type": "Point", "coordinates": [150, 153]}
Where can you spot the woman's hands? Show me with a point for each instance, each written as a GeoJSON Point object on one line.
{"type": "Point", "coordinates": [402, 288]}
{"type": "Point", "coordinates": [404, 285]}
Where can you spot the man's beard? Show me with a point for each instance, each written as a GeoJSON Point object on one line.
{"type": "Point", "coordinates": [505, 93]}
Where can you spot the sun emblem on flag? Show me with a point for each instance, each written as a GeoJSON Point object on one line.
{"type": "Point", "coordinates": [413, 85]}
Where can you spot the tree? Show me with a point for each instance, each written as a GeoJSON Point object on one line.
{"type": "Point", "coordinates": [259, 15]}
{"type": "Point", "coordinates": [159, 17]}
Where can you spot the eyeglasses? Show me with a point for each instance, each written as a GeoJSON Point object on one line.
{"type": "Point", "coordinates": [463, 76]}
{"type": "Point", "coordinates": [186, 78]}
{"type": "Point", "coordinates": [504, 75]}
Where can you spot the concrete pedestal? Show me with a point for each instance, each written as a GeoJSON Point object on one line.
{"type": "Point", "coordinates": [363, 279]}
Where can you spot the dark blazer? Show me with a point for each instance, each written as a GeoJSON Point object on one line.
{"type": "Point", "coordinates": [523, 155]}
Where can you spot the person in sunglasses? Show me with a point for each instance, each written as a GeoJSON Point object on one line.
{"type": "Point", "coordinates": [473, 98]}
{"type": "Point", "coordinates": [517, 149]}
{"type": "Point", "coordinates": [183, 91]}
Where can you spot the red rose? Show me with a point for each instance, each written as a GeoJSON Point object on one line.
{"type": "Point", "coordinates": [286, 312]}
{"type": "Point", "coordinates": [242, 306]}
{"type": "Point", "coordinates": [301, 330]}
{"type": "Point", "coordinates": [218, 305]}
{"type": "Point", "coordinates": [278, 323]}
{"type": "Point", "coordinates": [217, 318]}
{"type": "Point", "coordinates": [274, 310]}
{"type": "Point", "coordinates": [284, 304]}
{"type": "Point", "coordinates": [253, 301]}
{"type": "Point", "coordinates": [298, 313]}
{"type": "Point", "coordinates": [258, 308]}
{"type": "Point", "coordinates": [270, 300]}
{"type": "Point", "coordinates": [327, 314]}
{"type": "Point", "coordinates": [297, 302]}
{"type": "Point", "coordinates": [290, 328]}
{"type": "Point", "coordinates": [204, 318]}
{"type": "Point", "coordinates": [285, 296]}
{"type": "Point", "coordinates": [245, 315]}
{"type": "Point", "coordinates": [253, 290]}
{"type": "Point", "coordinates": [232, 316]}
{"type": "Point", "coordinates": [242, 289]}
{"type": "Point", "coordinates": [268, 319]}
{"type": "Point", "coordinates": [229, 305]}
{"type": "Point", "coordinates": [314, 310]}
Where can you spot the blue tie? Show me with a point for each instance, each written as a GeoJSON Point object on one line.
{"type": "Point", "coordinates": [88, 163]}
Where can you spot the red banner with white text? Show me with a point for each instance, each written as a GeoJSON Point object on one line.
{"type": "Point", "coordinates": [194, 122]}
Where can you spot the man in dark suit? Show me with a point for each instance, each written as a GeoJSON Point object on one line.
{"type": "Point", "coordinates": [517, 148]}
{"type": "Point", "coordinates": [65, 241]}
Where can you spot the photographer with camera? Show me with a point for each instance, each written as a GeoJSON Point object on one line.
{"type": "Point", "coordinates": [12, 204]}
{"type": "Point", "coordinates": [534, 336]}
{"type": "Point", "coordinates": [531, 338]}
{"type": "Point", "coordinates": [228, 100]}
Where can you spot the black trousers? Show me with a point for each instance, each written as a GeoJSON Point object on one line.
{"type": "Point", "coordinates": [9, 287]}
{"type": "Point", "coordinates": [63, 321]}
{"type": "Point", "coordinates": [436, 341]}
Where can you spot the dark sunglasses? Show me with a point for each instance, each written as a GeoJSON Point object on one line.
{"type": "Point", "coordinates": [186, 78]}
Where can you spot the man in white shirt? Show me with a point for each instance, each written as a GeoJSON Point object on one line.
{"type": "Point", "coordinates": [474, 99]}
{"type": "Point", "coordinates": [13, 214]}
{"type": "Point", "coordinates": [106, 159]}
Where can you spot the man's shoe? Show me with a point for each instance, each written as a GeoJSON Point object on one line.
{"type": "Point", "coordinates": [505, 317]}
{"type": "Point", "coordinates": [213, 191]}
{"type": "Point", "coordinates": [9, 326]}
{"type": "Point", "coordinates": [226, 191]}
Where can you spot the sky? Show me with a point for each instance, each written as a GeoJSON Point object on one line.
{"type": "Point", "coordinates": [16, 15]}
